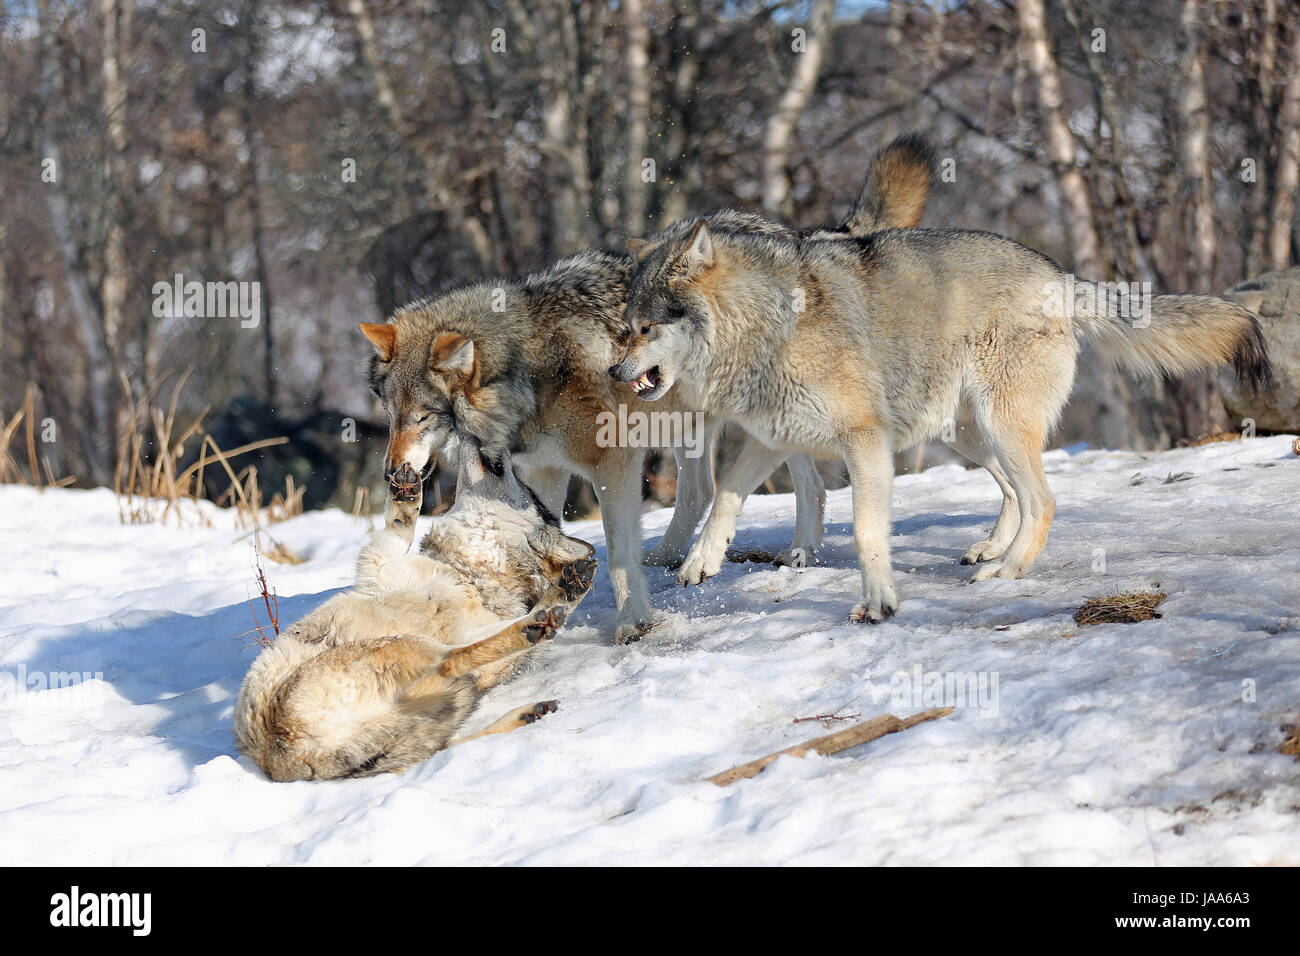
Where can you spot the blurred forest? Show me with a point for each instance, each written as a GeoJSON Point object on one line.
{"type": "Point", "coordinates": [348, 155]}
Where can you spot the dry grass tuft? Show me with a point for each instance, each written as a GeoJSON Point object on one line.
{"type": "Point", "coordinates": [11, 463]}
{"type": "Point", "coordinates": [750, 555]}
{"type": "Point", "coordinates": [1128, 607]}
{"type": "Point", "coordinates": [150, 484]}
{"type": "Point", "coordinates": [1209, 439]}
{"type": "Point", "coordinates": [1291, 745]}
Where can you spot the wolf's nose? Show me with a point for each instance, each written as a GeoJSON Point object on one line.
{"type": "Point", "coordinates": [616, 371]}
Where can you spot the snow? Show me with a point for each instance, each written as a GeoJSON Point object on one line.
{"type": "Point", "coordinates": [1117, 744]}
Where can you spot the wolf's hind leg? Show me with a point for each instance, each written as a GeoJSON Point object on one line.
{"type": "Point", "coordinates": [1019, 446]}
{"type": "Point", "coordinates": [871, 469]}
{"type": "Point", "coordinates": [971, 444]}
{"type": "Point", "coordinates": [513, 720]}
{"type": "Point", "coordinates": [809, 512]}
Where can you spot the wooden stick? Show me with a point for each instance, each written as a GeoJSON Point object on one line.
{"type": "Point", "coordinates": [832, 743]}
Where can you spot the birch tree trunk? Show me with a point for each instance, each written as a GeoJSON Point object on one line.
{"type": "Point", "coordinates": [252, 173]}
{"type": "Point", "coordinates": [635, 188]}
{"type": "Point", "coordinates": [1200, 405]}
{"type": "Point", "coordinates": [1111, 410]}
{"type": "Point", "coordinates": [113, 287]}
{"type": "Point", "coordinates": [1287, 176]}
{"type": "Point", "coordinates": [1060, 141]}
{"type": "Point", "coordinates": [680, 176]}
{"type": "Point", "coordinates": [99, 441]}
{"type": "Point", "coordinates": [1195, 147]}
{"type": "Point", "coordinates": [1261, 58]}
{"type": "Point", "coordinates": [436, 188]}
{"type": "Point", "coordinates": [781, 125]}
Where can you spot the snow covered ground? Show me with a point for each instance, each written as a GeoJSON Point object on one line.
{"type": "Point", "coordinates": [1150, 743]}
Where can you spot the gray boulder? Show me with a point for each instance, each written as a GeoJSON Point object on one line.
{"type": "Point", "coordinates": [1274, 297]}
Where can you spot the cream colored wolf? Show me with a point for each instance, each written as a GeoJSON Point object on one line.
{"type": "Point", "coordinates": [859, 347]}
{"type": "Point", "coordinates": [522, 366]}
{"type": "Point", "coordinates": [382, 676]}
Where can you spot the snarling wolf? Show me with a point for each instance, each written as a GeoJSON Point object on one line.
{"type": "Point", "coordinates": [382, 676]}
{"type": "Point", "coordinates": [862, 346]}
{"type": "Point", "coordinates": [522, 366]}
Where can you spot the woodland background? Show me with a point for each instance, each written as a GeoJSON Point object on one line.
{"type": "Point", "coordinates": [1144, 141]}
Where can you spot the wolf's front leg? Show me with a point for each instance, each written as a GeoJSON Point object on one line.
{"type": "Point", "coordinates": [619, 489]}
{"type": "Point", "coordinates": [534, 627]}
{"type": "Point", "coordinates": [755, 462]}
{"type": "Point", "coordinates": [574, 581]}
{"type": "Point", "coordinates": [871, 469]}
{"type": "Point", "coordinates": [694, 491]}
{"type": "Point", "coordinates": [400, 516]}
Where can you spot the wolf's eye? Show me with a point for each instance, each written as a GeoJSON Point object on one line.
{"type": "Point", "coordinates": [645, 329]}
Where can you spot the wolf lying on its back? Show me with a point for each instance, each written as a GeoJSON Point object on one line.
{"type": "Point", "coordinates": [380, 677]}
{"type": "Point", "coordinates": [523, 365]}
{"type": "Point", "coordinates": [900, 331]}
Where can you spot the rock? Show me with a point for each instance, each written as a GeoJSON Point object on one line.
{"type": "Point", "coordinates": [1274, 297]}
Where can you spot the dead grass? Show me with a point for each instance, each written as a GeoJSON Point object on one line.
{"type": "Point", "coordinates": [1127, 607]}
{"type": "Point", "coordinates": [1291, 745]}
{"type": "Point", "coordinates": [150, 484]}
{"type": "Point", "coordinates": [1210, 439]}
{"type": "Point", "coordinates": [12, 470]}
{"type": "Point", "coordinates": [750, 555]}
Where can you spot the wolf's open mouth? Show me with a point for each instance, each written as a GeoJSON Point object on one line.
{"type": "Point", "coordinates": [648, 382]}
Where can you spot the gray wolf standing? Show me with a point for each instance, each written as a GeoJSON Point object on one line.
{"type": "Point", "coordinates": [523, 366]}
{"type": "Point", "coordinates": [859, 347]}
{"type": "Point", "coordinates": [380, 677]}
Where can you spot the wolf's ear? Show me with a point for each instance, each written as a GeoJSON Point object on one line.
{"type": "Point", "coordinates": [697, 255]}
{"type": "Point", "coordinates": [382, 336]}
{"type": "Point", "coordinates": [453, 354]}
{"type": "Point", "coordinates": [636, 248]}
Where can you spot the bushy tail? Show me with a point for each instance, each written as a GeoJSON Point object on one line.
{"type": "Point", "coordinates": [1173, 334]}
{"type": "Point", "coordinates": [897, 186]}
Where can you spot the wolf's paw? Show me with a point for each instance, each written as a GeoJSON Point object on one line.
{"type": "Point", "coordinates": [405, 484]}
{"type": "Point", "coordinates": [629, 632]}
{"type": "Point", "coordinates": [878, 603]}
{"type": "Point", "coordinates": [982, 551]}
{"type": "Point", "coordinates": [698, 568]}
{"type": "Point", "coordinates": [663, 557]}
{"type": "Point", "coordinates": [997, 569]}
{"type": "Point", "coordinates": [795, 558]}
{"type": "Point", "coordinates": [543, 624]}
{"type": "Point", "coordinates": [531, 715]}
{"type": "Point", "coordinates": [865, 613]}
{"type": "Point", "coordinates": [576, 578]}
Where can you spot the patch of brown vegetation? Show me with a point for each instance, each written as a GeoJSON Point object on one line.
{"type": "Point", "coordinates": [1209, 439]}
{"type": "Point", "coordinates": [1127, 607]}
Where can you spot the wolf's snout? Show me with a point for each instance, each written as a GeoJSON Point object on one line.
{"type": "Point", "coordinates": [616, 372]}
